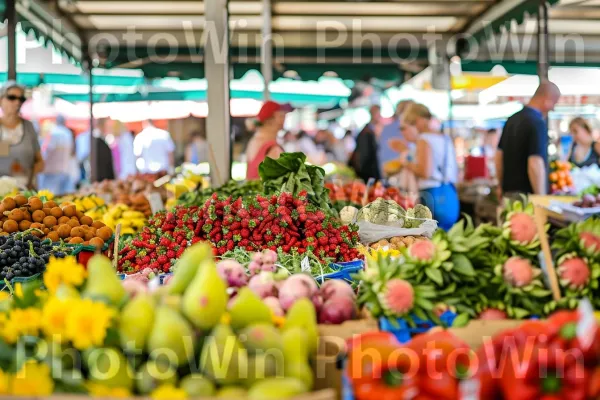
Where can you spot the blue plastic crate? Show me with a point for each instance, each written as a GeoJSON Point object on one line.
{"type": "Point", "coordinates": [405, 332]}
{"type": "Point", "coordinates": [343, 270]}
{"type": "Point", "coordinates": [35, 277]}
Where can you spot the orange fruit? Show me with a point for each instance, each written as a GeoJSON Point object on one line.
{"type": "Point", "coordinates": [553, 177]}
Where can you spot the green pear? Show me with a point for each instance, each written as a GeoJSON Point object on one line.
{"type": "Point", "coordinates": [102, 282]}
{"type": "Point", "coordinates": [232, 392]}
{"type": "Point", "coordinates": [154, 374]}
{"type": "Point", "coordinates": [223, 358]}
{"type": "Point", "coordinates": [64, 292]}
{"type": "Point", "coordinates": [301, 371]}
{"type": "Point", "coordinates": [261, 337]}
{"type": "Point", "coordinates": [205, 299]}
{"type": "Point", "coordinates": [247, 309]}
{"type": "Point", "coordinates": [302, 314]}
{"type": "Point", "coordinates": [137, 319]}
{"type": "Point", "coordinates": [108, 367]}
{"type": "Point", "coordinates": [263, 365]}
{"type": "Point", "coordinates": [187, 267]}
{"type": "Point", "coordinates": [295, 345]}
{"type": "Point", "coordinates": [277, 389]}
{"type": "Point", "coordinates": [197, 385]}
{"type": "Point", "coordinates": [171, 332]}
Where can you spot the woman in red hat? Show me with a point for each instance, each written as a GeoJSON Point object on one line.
{"type": "Point", "coordinates": [264, 144]}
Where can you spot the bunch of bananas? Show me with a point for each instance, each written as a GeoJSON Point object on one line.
{"type": "Point", "coordinates": [87, 203]}
{"type": "Point", "coordinates": [131, 221]}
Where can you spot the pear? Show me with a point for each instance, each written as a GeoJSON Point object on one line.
{"type": "Point", "coordinates": [187, 267]}
{"type": "Point", "coordinates": [205, 299]}
{"type": "Point", "coordinates": [64, 292]}
{"type": "Point", "coordinates": [247, 309]}
{"type": "Point", "coordinates": [154, 374]}
{"type": "Point", "coordinates": [277, 389]}
{"type": "Point", "coordinates": [171, 332]}
{"type": "Point", "coordinates": [102, 282]}
{"type": "Point", "coordinates": [137, 319]}
{"type": "Point", "coordinates": [302, 314]}
{"type": "Point", "coordinates": [223, 358]}
{"type": "Point", "coordinates": [263, 365]}
{"type": "Point", "coordinates": [197, 385]}
{"type": "Point", "coordinates": [232, 392]}
{"type": "Point", "coordinates": [301, 371]}
{"type": "Point", "coordinates": [295, 345]}
{"type": "Point", "coordinates": [108, 367]}
{"type": "Point", "coordinates": [261, 337]}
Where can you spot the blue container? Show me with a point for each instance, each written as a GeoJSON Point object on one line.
{"type": "Point", "coordinates": [121, 276]}
{"type": "Point", "coordinates": [36, 277]}
{"type": "Point", "coordinates": [405, 332]}
{"type": "Point", "coordinates": [343, 270]}
{"type": "Point", "coordinates": [162, 277]}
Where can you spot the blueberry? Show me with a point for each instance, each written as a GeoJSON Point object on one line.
{"type": "Point", "coordinates": [13, 254]}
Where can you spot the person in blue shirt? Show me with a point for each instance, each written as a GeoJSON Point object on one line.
{"type": "Point", "coordinates": [392, 131]}
{"type": "Point", "coordinates": [522, 156]}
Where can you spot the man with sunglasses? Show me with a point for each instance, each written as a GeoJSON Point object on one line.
{"type": "Point", "coordinates": [20, 155]}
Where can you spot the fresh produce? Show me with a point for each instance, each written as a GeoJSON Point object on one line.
{"type": "Point", "coordinates": [560, 177]}
{"type": "Point", "coordinates": [276, 222]}
{"type": "Point", "coordinates": [23, 255]}
{"type": "Point", "coordinates": [87, 203]}
{"type": "Point", "coordinates": [290, 174]}
{"type": "Point", "coordinates": [588, 200]}
{"type": "Point", "coordinates": [89, 314]}
{"type": "Point", "coordinates": [397, 243]}
{"type": "Point", "coordinates": [388, 212]}
{"type": "Point", "coordinates": [48, 220]}
{"type": "Point", "coordinates": [353, 194]}
{"type": "Point", "coordinates": [131, 221]}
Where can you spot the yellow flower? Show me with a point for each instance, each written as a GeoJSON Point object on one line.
{"type": "Point", "coordinates": [32, 380]}
{"type": "Point", "coordinates": [97, 390]}
{"type": "Point", "coordinates": [45, 193]}
{"type": "Point", "coordinates": [66, 271]}
{"type": "Point", "coordinates": [22, 322]}
{"type": "Point", "coordinates": [168, 392]}
{"type": "Point", "coordinates": [87, 323]}
{"type": "Point", "coordinates": [4, 295]}
{"type": "Point", "coordinates": [54, 316]}
{"type": "Point", "coordinates": [4, 383]}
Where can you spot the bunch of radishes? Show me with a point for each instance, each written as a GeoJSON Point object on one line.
{"type": "Point", "coordinates": [334, 300]}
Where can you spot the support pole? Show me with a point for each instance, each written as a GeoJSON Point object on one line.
{"type": "Point", "coordinates": [542, 41]}
{"type": "Point", "coordinates": [93, 144]}
{"type": "Point", "coordinates": [216, 65]}
{"type": "Point", "coordinates": [11, 26]}
{"type": "Point", "coordinates": [266, 48]}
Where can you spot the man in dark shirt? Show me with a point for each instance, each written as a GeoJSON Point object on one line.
{"type": "Point", "coordinates": [365, 160]}
{"type": "Point", "coordinates": [522, 156]}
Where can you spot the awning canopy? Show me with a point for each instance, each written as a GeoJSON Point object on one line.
{"type": "Point", "coordinates": [350, 39]}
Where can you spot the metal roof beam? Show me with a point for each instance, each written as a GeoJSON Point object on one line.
{"type": "Point", "coordinates": [492, 14]}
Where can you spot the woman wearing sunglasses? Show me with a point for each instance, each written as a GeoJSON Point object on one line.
{"type": "Point", "coordinates": [20, 155]}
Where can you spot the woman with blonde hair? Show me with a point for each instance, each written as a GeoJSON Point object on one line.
{"type": "Point", "coordinates": [585, 151]}
{"type": "Point", "coordinates": [434, 164]}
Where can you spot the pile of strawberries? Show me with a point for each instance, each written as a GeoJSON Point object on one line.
{"type": "Point", "coordinates": [279, 222]}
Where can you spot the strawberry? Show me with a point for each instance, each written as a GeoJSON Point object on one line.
{"type": "Point", "coordinates": [171, 254]}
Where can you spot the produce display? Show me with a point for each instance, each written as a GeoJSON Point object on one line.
{"type": "Point", "coordinates": [536, 360]}
{"type": "Point", "coordinates": [49, 220]}
{"type": "Point", "coordinates": [232, 188]}
{"type": "Point", "coordinates": [239, 349]}
{"type": "Point", "coordinates": [388, 212]}
{"type": "Point", "coordinates": [283, 222]}
{"type": "Point", "coordinates": [560, 177]}
{"type": "Point", "coordinates": [353, 194]}
{"type": "Point", "coordinates": [396, 243]}
{"type": "Point", "coordinates": [588, 200]}
{"type": "Point", "coordinates": [131, 221]}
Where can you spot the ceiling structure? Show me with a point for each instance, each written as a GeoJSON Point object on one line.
{"type": "Point", "coordinates": [353, 39]}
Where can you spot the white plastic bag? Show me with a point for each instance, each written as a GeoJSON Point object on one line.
{"type": "Point", "coordinates": [370, 233]}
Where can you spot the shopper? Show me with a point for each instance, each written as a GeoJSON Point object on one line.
{"type": "Point", "coordinates": [57, 151]}
{"type": "Point", "coordinates": [270, 121]}
{"type": "Point", "coordinates": [364, 160]}
{"type": "Point", "coordinates": [585, 151]}
{"type": "Point", "coordinates": [154, 149]}
{"type": "Point", "coordinates": [104, 167]}
{"type": "Point", "coordinates": [125, 145]}
{"type": "Point", "coordinates": [391, 131]}
{"type": "Point", "coordinates": [434, 164]}
{"type": "Point", "coordinates": [334, 150]}
{"type": "Point", "coordinates": [20, 155]}
{"type": "Point", "coordinates": [522, 155]}
{"type": "Point", "coordinates": [197, 151]}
